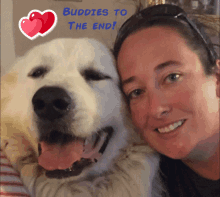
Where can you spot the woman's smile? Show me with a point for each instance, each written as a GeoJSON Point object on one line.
{"type": "Point", "coordinates": [171, 127]}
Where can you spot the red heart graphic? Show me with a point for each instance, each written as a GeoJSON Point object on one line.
{"type": "Point", "coordinates": [31, 28]}
{"type": "Point", "coordinates": [47, 19]}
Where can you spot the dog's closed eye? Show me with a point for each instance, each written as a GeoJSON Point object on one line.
{"type": "Point", "coordinates": [38, 72]}
{"type": "Point", "coordinates": [93, 75]}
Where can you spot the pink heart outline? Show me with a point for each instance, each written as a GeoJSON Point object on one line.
{"type": "Point", "coordinates": [38, 34]}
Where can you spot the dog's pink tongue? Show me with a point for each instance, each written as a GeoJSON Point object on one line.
{"type": "Point", "coordinates": [60, 157]}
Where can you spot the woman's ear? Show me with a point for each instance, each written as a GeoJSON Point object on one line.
{"type": "Point", "coordinates": [218, 77]}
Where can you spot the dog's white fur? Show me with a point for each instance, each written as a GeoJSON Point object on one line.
{"type": "Point", "coordinates": [123, 170]}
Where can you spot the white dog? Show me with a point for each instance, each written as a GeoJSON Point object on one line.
{"type": "Point", "coordinates": [64, 97]}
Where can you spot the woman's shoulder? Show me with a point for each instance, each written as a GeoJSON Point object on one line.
{"type": "Point", "coordinates": [180, 180]}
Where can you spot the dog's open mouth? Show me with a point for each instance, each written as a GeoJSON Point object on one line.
{"type": "Point", "coordinates": [71, 158]}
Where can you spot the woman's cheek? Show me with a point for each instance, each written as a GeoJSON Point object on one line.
{"type": "Point", "coordinates": [138, 116]}
{"type": "Point", "coordinates": [134, 119]}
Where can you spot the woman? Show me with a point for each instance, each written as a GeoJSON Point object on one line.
{"type": "Point", "coordinates": [170, 77]}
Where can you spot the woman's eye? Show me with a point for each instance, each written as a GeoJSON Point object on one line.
{"type": "Point", "coordinates": [172, 78]}
{"type": "Point", "coordinates": [134, 94]}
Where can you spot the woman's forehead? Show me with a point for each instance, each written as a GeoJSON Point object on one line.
{"type": "Point", "coordinates": [151, 36]}
{"type": "Point", "coordinates": [148, 40]}
{"type": "Point", "coordinates": [151, 47]}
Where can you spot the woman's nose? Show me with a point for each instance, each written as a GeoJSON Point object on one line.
{"type": "Point", "coordinates": [159, 105]}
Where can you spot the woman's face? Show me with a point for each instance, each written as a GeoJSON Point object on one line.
{"type": "Point", "coordinates": [172, 102]}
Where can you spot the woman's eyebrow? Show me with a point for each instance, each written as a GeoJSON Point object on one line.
{"type": "Point", "coordinates": [166, 64]}
{"type": "Point", "coordinates": [158, 68]}
{"type": "Point", "coordinates": [129, 80]}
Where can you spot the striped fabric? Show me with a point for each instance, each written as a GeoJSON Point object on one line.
{"type": "Point", "coordinates": [10, 182]}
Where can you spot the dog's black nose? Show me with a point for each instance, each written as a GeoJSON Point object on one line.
{"type": "Point", "coordinates": [51, 103]}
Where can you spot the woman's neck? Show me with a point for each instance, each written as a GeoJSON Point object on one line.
{"type": "Point", "coordinates": [207, 168]}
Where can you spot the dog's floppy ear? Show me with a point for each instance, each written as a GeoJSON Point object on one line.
{"type": "Point", "coordinates": [8, 83]}
{"type": "Point", "coordinates": [14, 124]}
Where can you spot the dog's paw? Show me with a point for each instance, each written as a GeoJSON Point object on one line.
{"type": "Point", "coordinates": [19, 151]}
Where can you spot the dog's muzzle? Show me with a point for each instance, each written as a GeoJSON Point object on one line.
{"type": "Point", "coordinates": [91, 149]}
{"type": "Point", "coordinates": [61, 153]}
{"type": "Point", "coordinates": [51, 103]}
